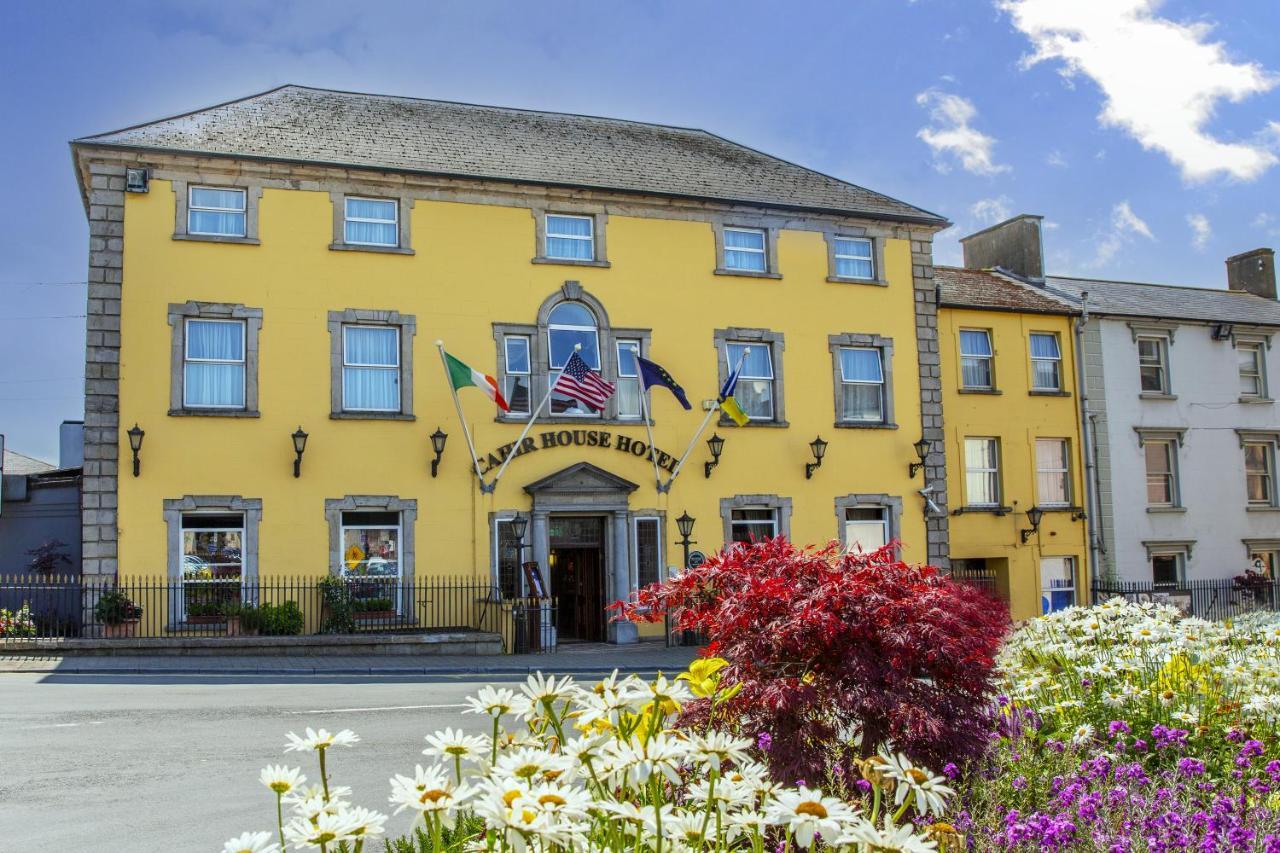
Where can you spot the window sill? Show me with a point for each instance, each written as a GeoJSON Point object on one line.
{"type": "Point", "coordinates": [218, 238]}
{"type": "Point", "coordinates": [377, 250]}
{"type": "Point", "coordinates": [1262, 509]}
{"type": "Point", "coordinates": [1166, 510]}
{"type": "Point", "coordinates": [570, 262]}
{"type": "Point", "coordinates": [746, 273]}
{"type": "Point", "coordinates": [726, 422]}
{"type": "Point", "coordinates": [990, 392]}
{"type": "Point", "coordinates": [1056, 508]}
{"type": "Point", "coordinates": [874, 282]}
{"type": "Point", "coordinates": [1253, 401]}
{"type": "Point", "coordinates": [370, 416]}
{"type": "Point", "coordinates": [857, 425]}
{"type": "Point", "coordinates": [1152, 395]}
{"type": "Point", "coordinates": [583, 421]}
{"type": "Point", "coordinates": [1035, 393]}
{"type": "Point", "coordinates": [213, 413]}
{"type": "Point", "coordinates": [992, 510]}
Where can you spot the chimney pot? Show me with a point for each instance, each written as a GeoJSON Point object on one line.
{"type": "Point", "coordinates": [1253, 272]}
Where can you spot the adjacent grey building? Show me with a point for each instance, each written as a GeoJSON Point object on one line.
{"type": "Point", "coordinates": [1178, 402]}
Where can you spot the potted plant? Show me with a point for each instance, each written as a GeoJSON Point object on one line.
{"type": "Point", "coordinates": [369, 609]}
{"type": "Point", "coordinates": [204, 613]}
{"type": "Point", "coordinates": [118, 614]}
{"type": "Point", "coordinates": [243, 620]}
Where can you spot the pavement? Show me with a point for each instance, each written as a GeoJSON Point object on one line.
{"type": "Point", "coordinates": [581, 658]}
{"type": "Point", "coordinates": [161, 754]}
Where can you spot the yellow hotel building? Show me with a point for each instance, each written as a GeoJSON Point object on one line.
{"type": "Point", "coordinates": [285, 264]}
{"type": "Point", "coordinates": [1013, 439]}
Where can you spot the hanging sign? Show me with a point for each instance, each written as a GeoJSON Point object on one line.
{"type": "Point", "coordinates": [578, 438]}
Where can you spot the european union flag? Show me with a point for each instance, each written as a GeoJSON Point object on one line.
{"type": "Point", "coordinates": [653, 374]}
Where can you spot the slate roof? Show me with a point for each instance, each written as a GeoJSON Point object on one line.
{"type": "Point", "coordinates": [18, 463]}
{"type": "Point", "coordinates": [968, 288]}
{"type": "Point", "coordinates": [302, 124]}
{"type": "Point", "coordinates": [1165, 301]}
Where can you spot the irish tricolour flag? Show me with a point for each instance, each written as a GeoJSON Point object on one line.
{"type": "Point", "coordinates": [462, 376]}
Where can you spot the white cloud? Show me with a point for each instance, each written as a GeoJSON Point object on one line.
{"type": "Point", "coordinates": [1161, 79]}
{"type": "Point", "coordinates": [1055, 158]}
{"type": "Point", "coordinates": [1122, 228]}
{"type": "Point", "coordinates": [1201, 231]}
{"type": "Point", "coordinates": [1267, 223]}
{"type": "Point", "coordinates": [952, 134]}
{"type": "Point", "coordinates": [989, 211]}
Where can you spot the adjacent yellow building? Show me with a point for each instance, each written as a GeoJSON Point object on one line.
{"type": "Point", "coordinates": [279, 269]}
{"type": "Point", "coordinates": [1013, 439]}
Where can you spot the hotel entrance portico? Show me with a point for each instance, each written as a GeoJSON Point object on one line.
{"type": "Point", "coordinates": [581, 516]}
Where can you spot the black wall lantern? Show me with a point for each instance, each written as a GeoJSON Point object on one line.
{"type": "Point", "coordinates": [1034, 515]}
{"type": "Point", "coordinates": [438, 439]}
{"type": "Point", "coordinates": [819, 449]}
{"type": "Point", "coordinates": [519, 525]}
{"type": "Point", "coordinates": [299, 446]}
{"type": "Point", "coordinates": [922, 450]}
{"type": "Point", "coordinates": [135, 444]}
{"type": "Point", "coordinates": [716, 445]}
{"type": "Point", "coordinates": [685, 525]}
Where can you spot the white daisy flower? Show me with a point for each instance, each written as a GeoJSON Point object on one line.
{"type": "Point", "coordinates": [429, 791]}
{"type": "Point", "coordinates": [317, 740]}
{"type": "Point", "coordinates": [889, 838]}
{"type": "Point", "coordinates": [1082, 735]}
{"type": "Point", "coordinates": [366, 822]}
{"type": "Point", "coordinates": [453, 745]}
{"type": "Point", "coordinates": [539, 689]}
{"type": "Point", "coordinates": [931, 792]}
{"type": "Point", "coordinates": [806, 812]}
{"type": "Point", "coordinates": [326, 829]}
{"type": "Point", "coordinates": [715, 748]}
{"type": "Point", "coordinates": [532, 764]}
{"type": "Point", "coordinates": [283, 780]}
{"type": "Point", "coordinates": [492, 702]}
{"type": "Point", "coordinates": [251, 842]}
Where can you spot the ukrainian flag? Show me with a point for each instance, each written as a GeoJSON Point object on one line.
{"type": "Point", "coordinates": [728, 404]}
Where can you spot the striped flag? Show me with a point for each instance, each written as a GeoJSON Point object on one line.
{"type": "Point", "coordinates": [462, 375]}
{"type": "Point", "coordinates": [582, 383]}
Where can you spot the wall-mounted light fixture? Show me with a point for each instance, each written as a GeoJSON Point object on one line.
{"type": "Point", "coordinates": [716, 445]}
{"type": "Point", "coordinates": [922, 450]}
{"type": "Point", "coordinates": [1034, 515]}
{"type": "Point", "coordinates": [299, 446]}
{"type": "Point", "coordinates": [819, 449]}
{"type": "Point", "coordinates": [135, 444]}
{"type": "Point", "coordinates": [1079, 515]}
{"type": "Point", "coordinates": [438, 439]}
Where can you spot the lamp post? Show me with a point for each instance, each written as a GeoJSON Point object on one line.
{"type": "Point", "coordinates": [438, 439]}
{"type": "Point", "coordinates": [922, 451]}
{"type": "Point", "coordinates": [1034, 515]}
{"type": "Point", "coordinates": [299, 446]}
{"type": "Point", "coordinates": [716, 445]}
{"type": "Point", "coordinates": [135, 444]}
{"type": "Point", "coordinates": [685, 525]}
{"type": "Point", "coordinates": [818, 448]}
{"type": "Point", "coordinates": [519, 525]}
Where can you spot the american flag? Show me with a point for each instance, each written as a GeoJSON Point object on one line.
{"type": "Point", "coordinates": [582, 383]}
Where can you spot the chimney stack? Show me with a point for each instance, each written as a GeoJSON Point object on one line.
{"type": "Point", "coordinates": [1014, 245]}
{"type": "Point", "coordinates": [1253, 272]}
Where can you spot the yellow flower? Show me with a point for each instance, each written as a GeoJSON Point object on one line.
{"type": "Point", "coordinates": [703, 676]}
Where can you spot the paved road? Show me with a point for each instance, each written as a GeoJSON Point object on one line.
{"type": "Point", "coordinates": [166, 764]}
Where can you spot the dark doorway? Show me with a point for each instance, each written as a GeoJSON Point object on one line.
{"type": "Point", "coordinates": [577, 577]}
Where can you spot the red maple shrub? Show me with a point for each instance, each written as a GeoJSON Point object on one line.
{"type": "Point", "coordinates": [830, 647]}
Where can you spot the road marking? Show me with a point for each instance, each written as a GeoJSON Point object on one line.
{"type": "Point", "coordinates": [61, 725]}
{"type": "Point", "coordinates": [382, 708]}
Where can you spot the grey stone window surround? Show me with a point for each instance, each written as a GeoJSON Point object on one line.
{"type": "Point", "coordinates": [600, 219]}
{"type": "Point", "coordinates": [176, 508]}
{"type": "Point", "coordinates": [404, 205]}
{"type": "Point", "coordinates": [1178, 436]}
{"type": "Point", "coordinates": [539, 357]}
{"type": "Point", "coordinates": [780, 505]}
{"type": "Point", "coordinates": [1262, 340]}
{"type": "Point", "coordinates": [192, 310]}
{"type": "Point", "coordinates": [770, 229]}
{"type": "Point", "coordinates": [408, 510]}
{"type": "Point", "coordinates": [877, 238]}
{"type": "Point", "coordinates": [664, 551]}
{"type": "Point", "coordinates": [407, 324]}
{"type": "Point", "coordinates": [885, 346]}
{"type": "Point", "coordinates": [777, 343]}
{"type": "Point", "coordinates": [892, 504]}
{"type": "Point", "coordinates": [1270, 437]}
{"type": "Point", "coordinates": [1164, 547]}
{"type": "Point", "coordinates": [1252, 546]}
{"type": "Point", "coordinates": [1164, 329]}
{"type": "Point", "coordinates": [182, 200]}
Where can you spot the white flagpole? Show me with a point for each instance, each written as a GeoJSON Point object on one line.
{"type": "Point", "coordinates": [466, 430]}
{"type": "Point", "coordinates": [701, 429]}
{"type": "Point", "coordinates": [653, 452]}
{"type": "Point", "coordinates": [515, 447]}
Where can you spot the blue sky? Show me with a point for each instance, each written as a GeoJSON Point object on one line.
{"type": "Point", "coordinates": [1146, 132]}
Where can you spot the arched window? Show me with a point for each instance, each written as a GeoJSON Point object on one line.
{"type": "Point", "coordinates": [571, 326]}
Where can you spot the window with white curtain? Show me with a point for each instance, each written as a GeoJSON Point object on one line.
{"type": "Point", "coordinates": [216, 212]}
{"type": "Point", "coordinates": [371, 222]}
{"type": "Point", "coordinates": [854, 258]}
{"type": "Point", "coordinates": [866, 528]}
{"type": "Point", "coordinates": [628, 387]}
{"type": "Point", "coordinates": [1053, 476]}
{"type": "Point", "coordinates": [744, 249]}
{"type": "Point", "coordinates": [754, 391]}
{"type": "Point", "coordinates": [975, 359]}
{"type": "Point", "coordinates": [213, 372]}
{"type": "Point", "coordinates": [570, 238]}
{"type": "Point", "coordinates": [371, 368]}
{"type": "Point", "coordinates": [517, 374]}
{"type": "Point", "coordinates": [982, 472]}
{"type": "Point", "coordinates": [1046, 362]}
{"type": "Point", "coordinates": [861, 385]}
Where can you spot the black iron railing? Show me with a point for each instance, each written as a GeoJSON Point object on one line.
{"type": "Point", "coordinates": [36, 607]}
{"type": "Point", "coordinates": [1223, 598]}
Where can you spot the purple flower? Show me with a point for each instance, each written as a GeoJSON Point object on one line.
{"type": "Point", "coordinates": [950, 770]}
{"type": "Point", "coordinates": [863, 785]}
{"type": "Point", "coordinates": [1190, 766]}
{"type": "Point", "coordinates": [1019, 783]}
{"type": "Point", "coordinates": [764, 740]}
{"type": "Point", "coordinates": [1117, 727]}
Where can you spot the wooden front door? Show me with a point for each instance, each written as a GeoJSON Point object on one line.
{"type": "Point", "coordinates": [577, 578]}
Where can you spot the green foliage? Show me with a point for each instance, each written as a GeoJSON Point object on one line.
{"type": "Point", "coordinates": [419, 840]}
{"type": "Point", "coordinates": [279, 620]}
{"type": "Point", "coordinates": [339, 615]}
{"type": "Point", "coordinates": [367, 605]}
{"type": "Point", "coordinates": [17, 623]}
{"type": "Point", "coordinates": [203, 610]}
{"type": "Point", "coordinates": [115, 608]}
{"type": "Point", "coordinates": [250, 616]}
